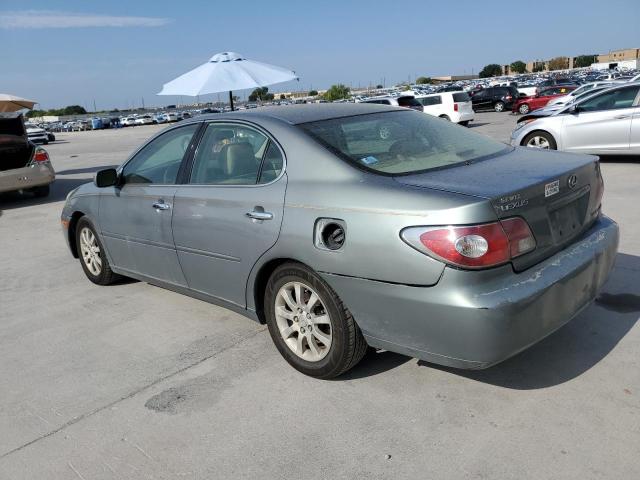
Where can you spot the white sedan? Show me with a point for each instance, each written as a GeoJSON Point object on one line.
{"type": "Point", "coordinates": [607, 122]}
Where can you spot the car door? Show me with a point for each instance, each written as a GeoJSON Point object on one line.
{"type": "Point", "coordinates": [230, 212]}
{"type": "Point", "coordinates": [481, 100]}
{"type": "Point", "coordinates": [135, 216]}
{"type": "Point", "coordinates": [602, 123]}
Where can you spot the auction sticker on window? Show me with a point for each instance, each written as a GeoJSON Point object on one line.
{"type": "Point", "coordinates": [552, 188]}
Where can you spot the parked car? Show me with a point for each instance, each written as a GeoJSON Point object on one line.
{"type": "Point", "coordinates": [128, 121]}
{"type": "Point", "coordinates": [526, 104]}
{"type": "Point", "coordinates": [145, 120]}
{"type": "Point", "coordinates": [579, 91]}
{"type": "Point", "coordinates": [406, 101]}
{"type": "Point", "coordinates": [607, 122]}
{"type": "Point", "coordinates": [37, 134]}
{"type": "Point", "coordinates": [410, 243]}
{"type": "Point", "coordinates": [172, 117]}
{"type": "Point", "coordinates": [23, 165]}
{"type": "Point", "coordinates": [552, 82]}
{"type": "Point", "coordinates": [526, 89]}
{"type": "Point", "coordinates": [494, 98]}
{"type": "Point", "coordinates": [453, 106]}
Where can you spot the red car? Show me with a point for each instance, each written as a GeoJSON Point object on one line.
{"type": "Point", "coordinates": [526, 104]}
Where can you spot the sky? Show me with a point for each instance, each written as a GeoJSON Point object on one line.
{"type": "Point", "coordinates": [119, 53]}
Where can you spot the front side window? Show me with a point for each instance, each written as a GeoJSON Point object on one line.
{"type": "Point", "coordinates": [403, 142]}
{"type": "Point", "coordinates": [612, 100]}
{"type": "Point", "coordinates": [159, 161]}
{"type": "Point", "coordinates": [231, 154]}
{"type": "Point", "coordinates": [428, 101]}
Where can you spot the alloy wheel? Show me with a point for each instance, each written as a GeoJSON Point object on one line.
{"type": "Point", "coordinates": [538, 142]}
{"type": "Point", "coordinates": [90, 251]}
{"type": "Point", "coordinates": [303, 321]}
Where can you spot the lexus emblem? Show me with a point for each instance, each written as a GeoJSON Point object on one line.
{"type": "Point", "coordinates": [572, 181]}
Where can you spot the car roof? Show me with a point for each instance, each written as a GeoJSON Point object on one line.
{"type": "Point", "coordinates": [304, 113]}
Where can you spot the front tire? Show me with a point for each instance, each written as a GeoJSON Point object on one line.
{"type": "Point", "coordinates": [310, 326]}
{"type": "Point", "coordinates": [92, 254]}
{"type": "Point", "coordinates": [499, 107]}
{"type": "Point", "coordinates": [541, 140]}
{"type": "Point", "coordinates": [524, 109]}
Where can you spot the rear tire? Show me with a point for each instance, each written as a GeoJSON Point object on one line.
{"type": "Point", "coordinates": [316, 334]}
{"type": "Point", "coordinates": [499, 107]}
{"type": "Point", "coordinates": [92, 254]}
{"type": "Point", "coordinates": [541, 140]}
{"type": "Point", "coordinates": [41, 191]}
{"type": "Point", "coordinates": [445, 117]}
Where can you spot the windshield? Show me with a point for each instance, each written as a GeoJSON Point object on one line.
{"type": "Point", "coordinates": [403, 142]}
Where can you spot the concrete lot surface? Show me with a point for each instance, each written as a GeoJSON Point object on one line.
{"type": "Point", "coordinates": [133, 382]}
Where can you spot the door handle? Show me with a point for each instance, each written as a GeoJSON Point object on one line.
{"type": "Point", "coordinates": [622, 117]}
{"type": "Point", "coordinates": [160, 205]}
{"type": "Point", "coordinates": [259, 215]}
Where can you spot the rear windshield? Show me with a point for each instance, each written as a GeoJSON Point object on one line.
{"type": "Point", "coordinates": [403, 142]}
{"type": "Point", "coordinates": [461, 97]}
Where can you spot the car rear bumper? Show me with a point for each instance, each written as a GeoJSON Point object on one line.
{"type": "Point", "coordinates": [458, 117]}
{"type": "Point", "coordinates": [474, 319]}
{"type": "Point", "coordinates": [27, 177]}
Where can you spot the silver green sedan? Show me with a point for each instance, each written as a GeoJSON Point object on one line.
{"type": "Point", "coordinates": [344, 226]}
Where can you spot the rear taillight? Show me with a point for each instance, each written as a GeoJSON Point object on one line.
{"type": "Point", "coordinates": [508, 97]}
{"type": "Point", "coordinates": [455, 107]}
{"type": "Point", "coordinates": [40, 155]}
{"type": "Point", "coordinates": [477, 246]}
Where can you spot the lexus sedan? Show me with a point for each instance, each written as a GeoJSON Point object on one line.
{"type": "Point", "coordinates": [430, 241]}
{"type": "Point", "coordinates": [607, 122]}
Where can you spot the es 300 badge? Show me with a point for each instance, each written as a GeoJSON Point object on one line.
{"type": "Point", "coordinates": [552, 188]}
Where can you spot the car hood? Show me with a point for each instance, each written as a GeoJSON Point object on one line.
{"type": "Point", "coordinates": [540, 113]}
{"type": "Point", "coordinates": [31, 130]}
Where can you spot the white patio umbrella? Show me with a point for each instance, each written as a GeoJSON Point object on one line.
{"type": "Point", "coordinates": [227, 71]}
{"type": "Point", "coordinates": [11, 103]}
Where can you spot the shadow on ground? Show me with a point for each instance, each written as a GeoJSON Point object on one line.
{"type": "Point", "coordinates": [59, 189]}
{"type": "Point", "coordinates": [564, 355]}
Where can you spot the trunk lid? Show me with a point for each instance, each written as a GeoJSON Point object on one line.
{"type": "Point", "coordinates": [558, 194]}
{"type": "Point", "coordinates": [15, 149]}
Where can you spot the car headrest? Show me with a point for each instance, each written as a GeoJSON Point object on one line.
{"type": "Point", "coordinates": [238, 159]}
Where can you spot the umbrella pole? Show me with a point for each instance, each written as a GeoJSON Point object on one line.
{"type": "Point", "coordinates": [231, 100]}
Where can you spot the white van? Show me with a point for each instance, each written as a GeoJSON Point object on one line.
{"type": "Point", "coordinates": [453, 106]}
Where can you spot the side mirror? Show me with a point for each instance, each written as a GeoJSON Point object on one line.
{"type": "Point", "coordinates": [106, 178]}
{"type": "Point", "coordinates": [573, 109]}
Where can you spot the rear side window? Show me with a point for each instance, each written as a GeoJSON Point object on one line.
{"type": "Point", "coordinates": [461, 97]}
{"type": "Point", "coordinates": [401, 142]}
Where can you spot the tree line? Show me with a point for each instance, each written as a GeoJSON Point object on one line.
{"type": "Point", "coordinates": [557, 63]}
{"type": "Point", "coordinates": [58, 112]}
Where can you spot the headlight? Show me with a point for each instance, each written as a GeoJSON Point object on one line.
{"type": "Point", "coordinates": [519, 125]}
{"type": "Point", "coordinates": [70, 193]}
